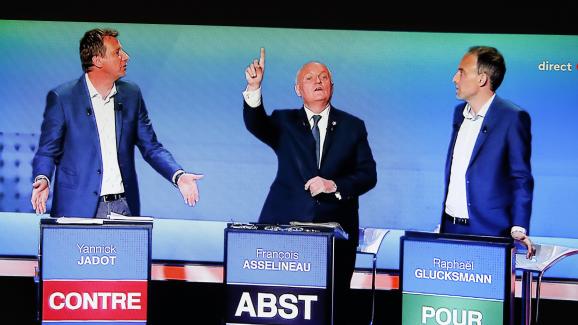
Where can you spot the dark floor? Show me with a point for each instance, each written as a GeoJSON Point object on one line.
{"type": "Point", "coordinates": [202, 303]}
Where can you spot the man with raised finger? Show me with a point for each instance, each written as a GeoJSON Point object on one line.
{"type": "Point", "coordinates": [324, 162]}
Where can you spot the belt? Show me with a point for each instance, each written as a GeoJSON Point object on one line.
{"type": "Point", "coordinates": [459, 221]}
{"type": "Point", "coordinates": [111, 197]}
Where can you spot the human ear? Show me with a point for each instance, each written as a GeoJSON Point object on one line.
{"type": "Point", "coordinates": [483, 79]}
{"type": "Point", "coordinates": [97, 61]}
{"type": "Point", "coordinates": [297, 90]}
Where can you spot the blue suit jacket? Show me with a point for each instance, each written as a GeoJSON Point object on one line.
{"type": "Point", "coordinates": [69, 143]}
{"type": "Point", "coordinates": [499, 182]}
{"type": "Point", "coordinates": [346, 159]}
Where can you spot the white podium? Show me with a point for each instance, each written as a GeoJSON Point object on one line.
{"type": "Point", "coordinates": [546, 256]}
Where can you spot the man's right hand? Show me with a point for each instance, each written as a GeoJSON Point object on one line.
{"type": "Point", "coordinates": [254, 72]}
{"type": "Point", "coordinates": [40, 191]}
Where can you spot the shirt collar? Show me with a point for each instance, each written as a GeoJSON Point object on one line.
{"type": "Point", "coordinates": [469, 113]}
{"type": "Point", "coordinates": [324, 113]}
{"type": "Point", "coordinates": [94, 93]}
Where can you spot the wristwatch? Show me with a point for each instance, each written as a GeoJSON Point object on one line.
{"type": "Point", "coordinates": [337, 194]}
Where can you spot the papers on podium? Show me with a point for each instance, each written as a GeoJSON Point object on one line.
{"type": "Point", "coordinates": [119, 217]}
{"type": "Point", "coordinates": [99, 221]}
{"type": "Point", "coordinates": [546, 256]}
{"type": "Point", "coordinates": [335, 226]}
{"type": "Point", "coordinates": [79, 221]}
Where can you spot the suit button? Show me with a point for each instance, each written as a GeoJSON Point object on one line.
{"type": "Point", "coordinates": [467, 182]}
{"type": "Point", "coordinates": [95, 193]}
{"type": "Point", "coordinates": [99, 172]}
{"type": "Point", "coordinates": [469, 204]}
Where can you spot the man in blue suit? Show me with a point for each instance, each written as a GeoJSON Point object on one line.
{"type": "Point", "coordinates": [489, 183]}
{"type": "Point", "coordinates": [324, 162]}
{"type": "Point", "coordinates": [90, 129]}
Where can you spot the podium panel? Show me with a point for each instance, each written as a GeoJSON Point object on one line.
{"type": "Point", "coordinates": [451, 279]}
{"type": "Point", "coordinates": [95, 273]}
{"type": "Point", "coordinates": [278, 276]}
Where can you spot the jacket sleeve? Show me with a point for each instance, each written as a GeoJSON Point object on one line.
{"type": "Point", "coordinates": [51, 137]}
{"type": "Point", "coordinates": [262, 126]}
{"type": "Point", "coordinates": [520, 143]}
{"type": "Point", "coordinates": [151, 149]}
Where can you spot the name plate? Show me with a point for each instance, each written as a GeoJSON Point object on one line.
{"type": "Point", "coordinates": [278, 277]}
{"type": "Point", "coordinates": [94, 273]}
{"type": "Point", "coordinates": [447, 281]}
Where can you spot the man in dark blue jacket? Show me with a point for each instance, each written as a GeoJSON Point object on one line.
{"type": "Point", "coordinates": [489, 183]}
{"type": "Point", "coordinates": [90, 129]}
{"type": "Point", "coordinates": [324, 162]}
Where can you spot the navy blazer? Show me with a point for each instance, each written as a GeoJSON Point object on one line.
{"type": "Point", "coordinates": [346, 159]}
{"type": "Point", "coordinates": [69, 143]}
{"type": "Point", "coordinates": [499, 182]}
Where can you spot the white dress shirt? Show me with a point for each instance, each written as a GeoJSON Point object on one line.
{"type": "Point", "coordinates": [457, 200]}
{"type": "Point", "coordinates": [105, 121]}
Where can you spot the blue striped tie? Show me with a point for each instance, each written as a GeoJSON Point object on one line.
{"type": "Point", "coordinates": [316, 136]}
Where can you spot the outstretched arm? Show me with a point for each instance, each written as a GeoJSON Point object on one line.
{"type": "Point", "coordinates": [162, 160]}
{"type": "Point", "coordinates": [50, 148]}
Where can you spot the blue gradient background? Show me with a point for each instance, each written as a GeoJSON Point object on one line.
{"type": "Point", "coordinates": [398, 82]}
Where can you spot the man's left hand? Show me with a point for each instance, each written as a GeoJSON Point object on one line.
{"type": "Point", "coordinates": [318, 185]}
{"type": "Point", "coordinates": [517, 235]}
{"type": "Point", "coordinates": [188, 187]}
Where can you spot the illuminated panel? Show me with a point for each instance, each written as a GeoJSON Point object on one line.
{"type": "Point", "coordinates": [277, 278]}
{"type": "Point", "coordinates": [94, 273]}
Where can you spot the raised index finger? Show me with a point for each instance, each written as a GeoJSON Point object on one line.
{"type": "Point", "coordinates": [262, 58]}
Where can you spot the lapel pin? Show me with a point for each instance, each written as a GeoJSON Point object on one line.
{"type": "Point", "coordinates": [333, 123]}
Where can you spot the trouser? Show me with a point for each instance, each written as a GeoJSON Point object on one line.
{"type": "Point", "coordinates": [344, 265]}
{"type": "Point", "coordinates": [119, 206]}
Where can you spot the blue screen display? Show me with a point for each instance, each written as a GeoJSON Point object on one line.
{"type": "Point", "coordinates": [277, 259]}
{"type": "Point", "coordinates": [454, 269]}
{"type": "Point", "coordinates": [399, 83]}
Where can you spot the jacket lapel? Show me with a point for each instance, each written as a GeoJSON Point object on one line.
{"type": "Point", "coordinates": [118, 111]}
{"type": "Point", "coordinates": [84, 105]}
{"type": "Point", "coordinates": [332, 125]}
{"type": "Point", "coordinates": [457, 123]}
{"type": "Point", "coordinates": [308, 164]}
{"type": "Point", "coordinates": [487, 125]}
